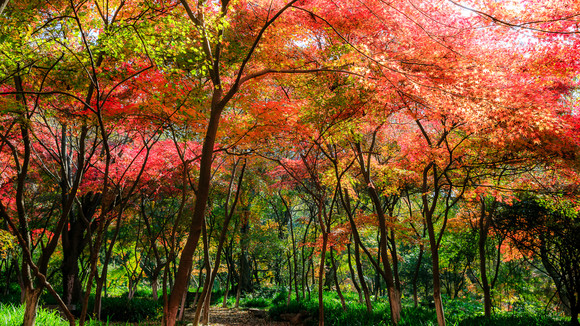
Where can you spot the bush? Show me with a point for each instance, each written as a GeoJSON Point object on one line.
{"type": "Point", "coordinates": [419, 316]}
{"type": "Point", "coordinates": [255, 302]}
{"type": "Point", "coordinates": [355, 315]}
{"type": "Point", "coordinates": [280, 297]}
{"type": "Point", "coordinates": [511, 320]}
{"type": "Point", "coordinates": [137, 309]}
{"type": "Point", "coordinates": [12, 295]}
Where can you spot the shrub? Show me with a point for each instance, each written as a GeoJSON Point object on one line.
{"type": "Point", "coordinates": [511, 320]}
{"type": "Point", "coordinates": [419, 316]}
{"type": "Point", "coordinates": [11, 294]}
{"type": "Point", "coordinates": [255, 302]}
{"type": "Point", "coordinates": [137, 309]}
{"type": "Point", "coordinates": [355, 315]}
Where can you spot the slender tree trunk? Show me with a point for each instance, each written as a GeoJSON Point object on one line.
{"type": "Point", "coordinates": [416, 275]}
{"type": "Point", "coordinates": [295, 270]}
{"type": "Point", "coordinates": [230, 264]}
{"type": "Point", "coordinates": [238, 293]}
{"type": "Point", "coordinates": [320, 279]}
{"type": "Point", "coordinates": [101, 280]}
{"type": "Point", "coordinates": [210, 277]}
{"type": "Point", "coordinates": [436, 271]}
{"type": "Point", "coordinates": [363, 283]}
{"type": "Point", "coordinates": [352, 275]}
{"type": "Point", "coordinates": [395, 262]}
{"type": "Point", "coordinates": [338, 291]}
{"type": "Point", "coordinates": [226, 292]}
{"type": "Point", "coordinates": [394, 297]}
{"type": "Point", "coordinates": [345, 198]}
{"type": "Point", "coordinates": [289, 280]}
{"type": "Point", "coordinates": [483, 270]}
{"type": "Point", "coordinates": [3, 4]}
{"type": "Point", "coordinates": [305, 266]}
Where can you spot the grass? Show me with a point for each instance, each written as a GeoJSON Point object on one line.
{"type": "Point", "coordinates": [12, 315]}
{"type": "Point", "coordinates": [466, 312]}
{"type": "Point", "coordinates": [458, 312]}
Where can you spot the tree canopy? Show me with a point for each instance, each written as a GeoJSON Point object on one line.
{"type": "Point", "coordinates": [279, 136]}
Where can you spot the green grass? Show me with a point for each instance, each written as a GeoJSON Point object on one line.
{"type": "Point", "coordinates": [507, 319]}
{"type": "Point", "coordinates": [458, 313]}
{"type": "Point", "coordinates": [355, 314]}
{"type": "Point", "coordinates": [12, 315]}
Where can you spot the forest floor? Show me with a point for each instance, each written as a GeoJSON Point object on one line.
{"type": "Point", "coordinates": [237, 317]}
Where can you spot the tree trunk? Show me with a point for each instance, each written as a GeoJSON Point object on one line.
{"type": "Point", "coordinates": [31, 297]}
{"type": "Point", "coordinates": [155, 287]}
{"type": "Point", "coordinates": [483, 271]}
{"type": "Point", "coordinates": [338, 291]}
{"type": "Point", "coordinates": [352, 275]}
{"type": "Point", "coordinates": [436, 272]}
{"type": "Point", "coordinates": [363, 283]}
{"type": "Point", "coordinates": [320, 279]}
{"type": "Point", "coordinates": [205, 299]}
{"type": "Point", "coordinates": [416, 275]}
{"type": "Point", "coordinates": [290, 273]}
{"type": "Point", "coordinates": [227, 290]}
{"type": "Point", "coordinates": [394, 297]}
{"type": "Point", "coordinates": [198, 218]}
{"type": "Point", "coordinates": [71, 285]}
{"type": "Point", "coordinates": [74, 240]}
{"type": "Point", "coordinates": [345, 199]}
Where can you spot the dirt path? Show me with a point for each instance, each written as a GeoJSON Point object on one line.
{"type": "Point", "coordinates": [231, 317]}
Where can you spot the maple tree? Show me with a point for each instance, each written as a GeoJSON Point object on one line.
{"type": "Point", "coordinates": [386, 120]}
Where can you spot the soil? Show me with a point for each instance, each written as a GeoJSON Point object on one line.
{"type": "Point", "coordinates": [236, 317]}
{"type": "Point", "coordinates": [219, 317]}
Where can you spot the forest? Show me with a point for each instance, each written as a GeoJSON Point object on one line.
{"type": "Point", "coordinates": [311, 162]}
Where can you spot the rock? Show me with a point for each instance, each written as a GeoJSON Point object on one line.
{"type": "Point", "coordinates": [258, 313]}
{"type": "Point", "coordinates": [295, 318]}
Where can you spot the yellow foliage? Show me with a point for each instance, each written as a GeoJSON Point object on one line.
{"type": "Point", "coordinates": [7, 243]}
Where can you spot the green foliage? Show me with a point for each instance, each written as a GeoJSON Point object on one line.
{"type": "Point", "coordinates": [355, 315]}
{"type": "Point", "coordinates": [511, 320]}
{"type": "Point", "coordinates": [13, 315]}
{"type": "Point", "coordinates": [255, 302]}
{"type": "Point", "coordinates": [135, 310]}
{"type": "Point", "coordinates": [418, 316]}
{"type": "Point", "coordinates": [12, 296]}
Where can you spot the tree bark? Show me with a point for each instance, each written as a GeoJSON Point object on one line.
{"type": "Point", "coordinates": [320, 279]}
{"type": "Point", "coordinates": [416, 274]}
{"type": "Point", "coordinates": [198, 219]}
{"type": "Point", "coordinates": [210, 278]}
{"type": "Point", "coordinates": [31, 297]}
{"type": "Point", "coordinates": [484, 223]}
{"type": "Point", "coordinates": [336, 282]}
{"type": "Point", "coordinates": [352, 275]}
{"type": "Point", "coordinates": [394, 297]}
